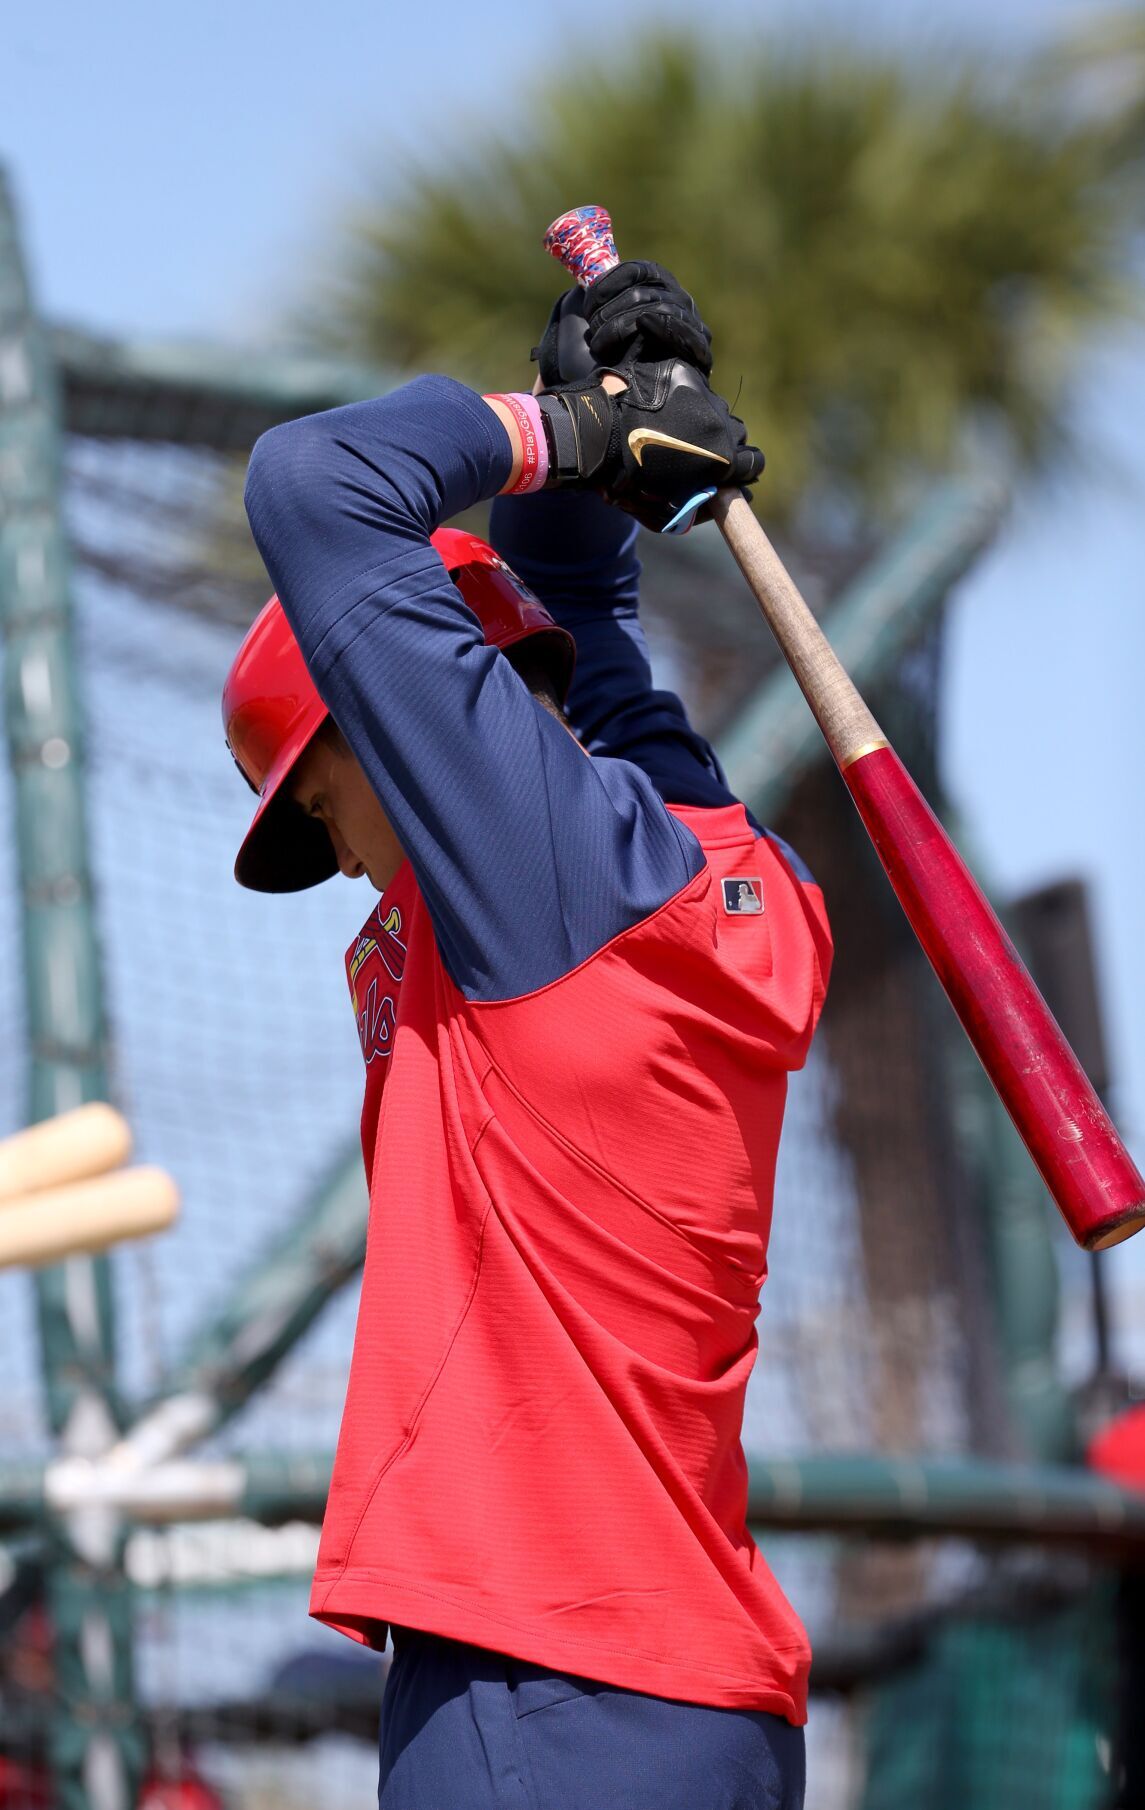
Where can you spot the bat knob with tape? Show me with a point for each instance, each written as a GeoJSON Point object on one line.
{"type": "Point", "coordinates": [678, 425]}
{"type": "Point", "coordinates": [582, 241]}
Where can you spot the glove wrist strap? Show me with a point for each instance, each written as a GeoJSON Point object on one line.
{"type": "Point", "coordinates": [561, 440]}
{"type": "Point", "coordinates": [580, 427]}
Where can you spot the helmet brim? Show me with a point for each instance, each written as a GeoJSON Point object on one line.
{"type": "Point", "coordinates": [284, 850]}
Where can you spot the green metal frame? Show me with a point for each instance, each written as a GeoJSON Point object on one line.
{"type": "Point", "coordinates": [1022, 1267]}
{"type": "Point", "coordinates": [260, 1319]}
{"type": "Point", "coordinates": [775, 739]}
{"type": "Point", "coordinates": [901, 1498]}
{"type": "Point", "coordinates": [96, 1739]}
{"type": "Point", "coordinates": [197, 394]}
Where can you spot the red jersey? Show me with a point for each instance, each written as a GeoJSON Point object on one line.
{"type": "Point", "coordinates": [569, 1212]}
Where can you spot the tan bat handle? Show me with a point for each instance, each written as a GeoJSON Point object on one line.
{"type": "Point", "coordinates": [848, 727]}
{"type": "Point", "coordinates": [54, 1223]}
{"type": "Point", "coordinates": [68, 1148]}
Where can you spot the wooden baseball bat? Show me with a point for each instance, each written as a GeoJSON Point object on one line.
{"type": "Point", "coordinates": [54, 1223]}
{"type": "Point", "coordinates": [68, 1148]}
{"type": "Point", "coordinates": [1065, 1128]}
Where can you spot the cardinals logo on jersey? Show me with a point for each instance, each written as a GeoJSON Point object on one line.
{"type": "Point", "coordinates": [375, 964]}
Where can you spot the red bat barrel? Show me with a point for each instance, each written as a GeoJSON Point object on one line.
{"type": "Point", "coordinates": [1064, 1126]}
{"type": "Point", "coordinates": [1062, 1122]}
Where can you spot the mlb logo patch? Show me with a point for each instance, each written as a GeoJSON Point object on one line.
{"type": "Point", "coordinates": [743, 895]}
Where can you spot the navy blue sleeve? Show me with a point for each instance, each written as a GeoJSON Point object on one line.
{"type": "Point", "coordinates": [579, 555]}
{"type": "Point", "coordinates": [529, 855]}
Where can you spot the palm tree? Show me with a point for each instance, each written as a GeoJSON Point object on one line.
{"type": "Point", "coordinates": [1098, 72]}
{"type": "Point", "coordinates": [884, 255]}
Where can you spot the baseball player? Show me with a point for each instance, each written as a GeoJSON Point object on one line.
{"type": "Point", "coordinates": [577, 1036]}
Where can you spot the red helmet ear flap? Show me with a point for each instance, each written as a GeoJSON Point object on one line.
{"type": "Point", "coordinates": [509, 613]}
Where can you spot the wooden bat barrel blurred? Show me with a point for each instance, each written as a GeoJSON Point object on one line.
{"type": "Point", "coordinates": [63, 1192]}
{"type": "Point", "coordinates": [73, 1145]}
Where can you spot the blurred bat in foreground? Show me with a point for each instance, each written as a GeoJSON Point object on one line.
{"type": "Point", "coordinates": [62, 1190]}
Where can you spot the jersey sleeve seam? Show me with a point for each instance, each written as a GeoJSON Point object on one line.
{"type": "Point", "coordinates": [486, 1005]}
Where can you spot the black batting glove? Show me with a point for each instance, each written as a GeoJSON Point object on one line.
{"type": "Point", "coordinates": [640, 311]}
{"type": "Point", "coordinates": [659, 449]}
{"type": "Point", "coordinates": [637, 311]}
{"type": "Point", "coordinates": [563, 355]}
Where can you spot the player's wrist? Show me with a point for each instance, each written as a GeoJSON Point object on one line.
{"type": "Point", "coordinates": [520, 416]}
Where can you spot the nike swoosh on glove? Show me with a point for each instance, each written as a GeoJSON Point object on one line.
{"type": "Point", "coordinates": [654, 447]}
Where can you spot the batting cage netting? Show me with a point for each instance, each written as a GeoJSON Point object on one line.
{"type": "Point", "coordinates": [950, 1669]}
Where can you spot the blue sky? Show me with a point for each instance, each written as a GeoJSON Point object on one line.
{"type": "Point", "coordinates": [177, 165]}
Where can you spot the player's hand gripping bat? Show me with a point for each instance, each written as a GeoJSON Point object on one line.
{"type": "Point", "coordinates": [1062, 1122]}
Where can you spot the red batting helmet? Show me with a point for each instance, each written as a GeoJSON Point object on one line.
{"type": "Point", "coordinates": [272, 712]}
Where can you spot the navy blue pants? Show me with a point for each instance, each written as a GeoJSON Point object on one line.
{"type": "Point", "coordinates": [464, 1729]}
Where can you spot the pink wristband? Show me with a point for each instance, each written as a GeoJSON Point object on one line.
{"type": "Point", "coordinates": [534, 446]}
